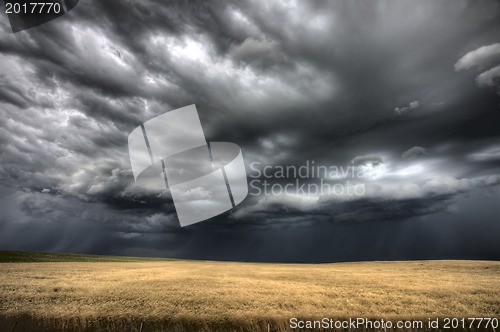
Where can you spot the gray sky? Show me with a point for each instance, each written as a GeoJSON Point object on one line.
{"type": "Point", "coordinates": [406, 91]}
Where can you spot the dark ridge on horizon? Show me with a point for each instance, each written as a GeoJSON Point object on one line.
{"type": "Point", "coordinates": [9, 256]}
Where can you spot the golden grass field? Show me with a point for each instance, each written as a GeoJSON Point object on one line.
{"type": "Point", "coordinates": [181, 295]}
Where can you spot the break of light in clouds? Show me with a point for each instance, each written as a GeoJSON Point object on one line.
{"type": "Point", "coordinates": [407, 91]}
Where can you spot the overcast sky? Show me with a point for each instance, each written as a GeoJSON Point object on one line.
{"type": "Point", "coordinates": [407, 91]}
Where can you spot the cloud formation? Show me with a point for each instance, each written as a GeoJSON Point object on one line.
{"type": "Point", "coordinates": [411, 106]}
{"type": "Point", "coordinates": [373, 159]}
{"type": "Point", "coordinates": [317, 82]}
{"type": "Point", "coordinates": [482, 58]}
{"type": "Point", "coordinates": [414, 152]}
{"type": "Point", "coordinates": [479, 57]}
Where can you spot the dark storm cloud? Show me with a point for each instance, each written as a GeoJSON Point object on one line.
{"type": "Point", "coordinates": [351, 84]}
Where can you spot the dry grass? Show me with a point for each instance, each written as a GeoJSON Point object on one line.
{"type": "Point", "coordinates": [247, 293]}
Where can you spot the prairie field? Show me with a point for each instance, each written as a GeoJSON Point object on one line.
{"type": "Point", "coordinates": [180, 295]}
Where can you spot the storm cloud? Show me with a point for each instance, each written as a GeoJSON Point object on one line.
{"type": "Point", "coordinates": [357, 87]}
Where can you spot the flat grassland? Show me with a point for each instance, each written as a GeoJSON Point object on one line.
{"type": "Point", "coordinates": [206, 295]}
